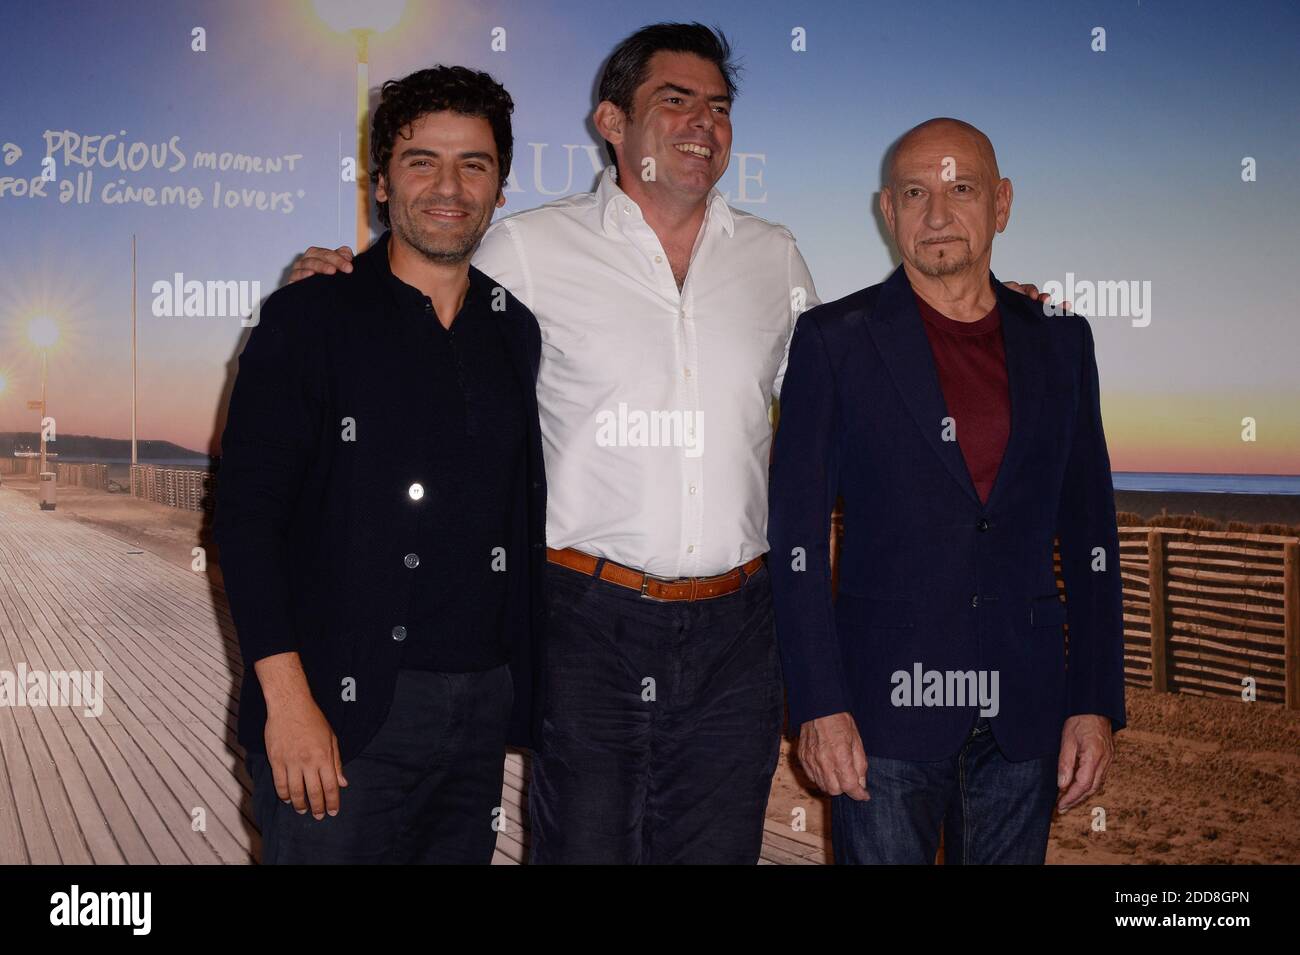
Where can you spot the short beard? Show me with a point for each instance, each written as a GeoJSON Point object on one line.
{"type": "Point", "coordinates": [945, 266]}
{"type": "Point", "coordinates": [454, 255]}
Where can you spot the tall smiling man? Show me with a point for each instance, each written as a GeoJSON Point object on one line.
{"type": "Point", "coordinates": [381, 512]}
{"type": "Point", "coordinates": [961, 423]}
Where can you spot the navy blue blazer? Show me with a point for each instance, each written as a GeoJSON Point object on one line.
{"type": "Point", "coordinates": [928, 574]}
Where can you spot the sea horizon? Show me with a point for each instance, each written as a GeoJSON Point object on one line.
{"type": "Point", "coordinates": [1190, 482]}
{"type": "Point", "coordinates": [1171, 481]}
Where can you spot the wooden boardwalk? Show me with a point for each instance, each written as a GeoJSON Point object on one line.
{"type": "Point", "coordinates": [158, 776]}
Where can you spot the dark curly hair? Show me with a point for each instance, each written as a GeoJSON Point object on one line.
{"type": "Point", "coordinates": [438, 89]}
{"type": "Point", "coordinates": [627, 66]}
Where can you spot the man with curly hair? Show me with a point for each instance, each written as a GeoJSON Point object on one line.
{"type": "Point", "coordinates": [381, 510]}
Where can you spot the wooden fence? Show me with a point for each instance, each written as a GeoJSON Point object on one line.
{"type": "Point", "coordinates": [20, 465]}
{"type": "Point", "coordinates": [1203, 610]}
{"type": "Point", "coordinates": [83, 475]}
{"type": "Point", "coordinates": [69, 475]}
{"type": "Point", "coordinates": [188, 489]}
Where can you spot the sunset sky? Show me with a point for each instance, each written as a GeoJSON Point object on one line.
{"type": "Point", "coordinates": [1126, 166]}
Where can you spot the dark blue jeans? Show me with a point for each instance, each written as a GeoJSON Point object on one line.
{"type": "Point", "coordinates": [991, 811]}
{"type": "Point", "coordinates": [662, 725]}
{"type": "Point", "coordinates": [425, 789]}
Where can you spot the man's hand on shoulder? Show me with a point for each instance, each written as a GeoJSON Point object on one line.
{"type": "Point", "coordinates": [1031, 291]}
{"type": "Point", "coordinates": [320, 261]}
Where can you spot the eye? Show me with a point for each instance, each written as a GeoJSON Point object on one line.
{"type": "Point", "coordinates": [672, 99]}
{"type": "Point", "coordinates": [724, 110]}
{"type": "Point", "coordinates": [962, 187]}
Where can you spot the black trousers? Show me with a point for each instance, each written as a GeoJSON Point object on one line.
{"type": "Point", "coordinates": [662, 725]}
{"type": "Point", "coordinates": [426, 789]}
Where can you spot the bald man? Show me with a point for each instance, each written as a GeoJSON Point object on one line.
{"type": "Point", "coordinates": [961, 425]}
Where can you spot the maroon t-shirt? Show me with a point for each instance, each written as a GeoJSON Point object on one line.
{"type": "Point", "coordinates": [972, 369]}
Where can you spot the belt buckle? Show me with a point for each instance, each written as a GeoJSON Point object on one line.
{"type": "Point", "coordinates": [645, 584]}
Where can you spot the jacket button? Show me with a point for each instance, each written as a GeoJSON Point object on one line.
{"type": "Point", "coordinates": [975, 600]}
{"type": "Point", "coordinates": [983, 525]}
{"type": "Point", "coordinates": [416, 491]}
{"type": "Point", "coordinates": [411, 560]}
{"type": "Point", "coordinates": [399, 633]}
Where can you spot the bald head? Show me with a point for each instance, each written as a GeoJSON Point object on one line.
{"type": "Point", "coordinates": [943, 136]}
{"type": "Point", "coordinates": [944, 199]}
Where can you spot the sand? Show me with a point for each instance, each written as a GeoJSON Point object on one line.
{"type": "Point", "coordinates": [1250, 508]}
{"type": "Point", "coordinates": [1195, 780]}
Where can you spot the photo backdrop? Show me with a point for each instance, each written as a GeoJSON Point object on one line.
{"type": "Point", "coordinates": [1152, 147]}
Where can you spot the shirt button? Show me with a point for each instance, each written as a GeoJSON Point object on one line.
{"type": "Point", "coordinates": [399, 634]}
{"type": "Point", "coordinates": [416, 491]}
{"type": "Point", "coordinates": [411, 560]}
{"type": "Point", "coordinates": [688, 372]}
{"type": "Point", "coordinates": [627, 210]}
{"type": "Point", "coordinates": [975, 600]}
{"type": "Point", "coordinates": [692, 488]}
{"type": "Point", "coordinates": [983, 525]}
{"type": "Point", "coordinates": [690, 549]}
{"type": "Point", "coordinates": [659, 258]}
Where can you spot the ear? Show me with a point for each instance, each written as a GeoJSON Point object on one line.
{"type": "Point", "coordinates": [610, 122]}
{"type": "Point", "coordinates": [887, 207]}
{"type": "Point", "coordinates": [1002, 203]}
{"type": "Point", "coordinates": [501, 198]}
{"type": "Point", "coordinates": [381, 188]}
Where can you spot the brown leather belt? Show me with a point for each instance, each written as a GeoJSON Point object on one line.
{"type": "Point", "coordinates": [656, 588]}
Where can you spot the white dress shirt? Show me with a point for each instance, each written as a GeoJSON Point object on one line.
{"type": "Point", "coordinates": [654, 403]}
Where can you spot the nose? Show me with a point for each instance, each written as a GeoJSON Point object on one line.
{"type": "Point", "coordinates": [447, 181]}
{"type": "Point", "coordinates": [937, 213]}
{"type": "Point", "coordinates": [703, 117]}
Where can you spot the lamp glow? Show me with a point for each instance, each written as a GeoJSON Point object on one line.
{"type": "Point", "coordinates": [371, 16]}
{"type": "Point", "coordinates": [43, 332]}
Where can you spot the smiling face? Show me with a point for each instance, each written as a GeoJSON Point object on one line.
{"type": "Point", "coordinates": [945, 200]}
{"type": "Point", "coordinates": [442, 184]}
{"type": "Point", "coordinates": [681, 118]}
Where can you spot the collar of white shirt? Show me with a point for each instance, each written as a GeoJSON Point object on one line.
{"type": "Point", "coordinates": [615, 205]}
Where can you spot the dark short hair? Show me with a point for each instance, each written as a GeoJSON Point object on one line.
{"type": "Point", "coordinates": [628, 65]}
{"type": "Point", "coordinates": [435, 90]}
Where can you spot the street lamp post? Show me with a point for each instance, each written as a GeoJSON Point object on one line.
{"type": "Point", "coordinates": [363, 139]}
{"type": "Point", "coordinates": [45, 361]}
{"type": "Point", "coordinates": [3, 383]}
{"type": "Point", "coordinates": [43, 334]}
{"type": "Point", "coordinates": [361, 19]}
